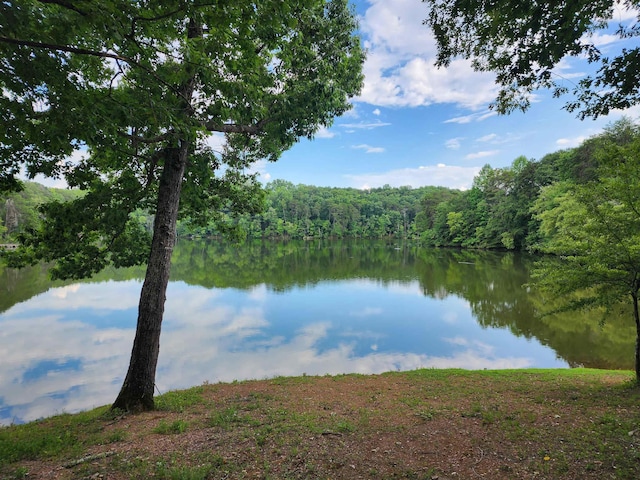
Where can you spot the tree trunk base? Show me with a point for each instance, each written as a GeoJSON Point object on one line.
{"type": "Point", "coordinates": [133, 402]}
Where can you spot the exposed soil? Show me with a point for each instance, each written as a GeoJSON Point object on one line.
{"type": "Point", "coordinates": [414, 425]}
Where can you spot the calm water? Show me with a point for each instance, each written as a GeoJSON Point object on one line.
{"type": "Point", "coordinates": [268, 309]}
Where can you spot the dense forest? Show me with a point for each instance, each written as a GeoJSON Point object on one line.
{"type": "Point", "coordinates": [304, 211]}
{"type": "Point", "coordinates": [502, 209]}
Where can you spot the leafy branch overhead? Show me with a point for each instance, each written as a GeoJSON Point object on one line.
{"type": "Point", "coordinates": [523, 43]}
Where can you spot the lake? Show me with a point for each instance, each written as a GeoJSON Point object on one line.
{"type": "Point", "coordinates": [266, 309]}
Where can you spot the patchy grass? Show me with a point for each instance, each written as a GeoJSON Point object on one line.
{"type": "Point", "coordinates": [179, 400]}
{"type": "Point", "coordinates": [528, 424]}
{"type": "Point", "coordinates": [165, 428]}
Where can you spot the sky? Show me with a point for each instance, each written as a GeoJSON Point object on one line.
{"type": "Point", "coordinates": [416, 125]}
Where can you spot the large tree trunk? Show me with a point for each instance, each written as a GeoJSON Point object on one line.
{"type": "Point", "coordinates": [137, 390]}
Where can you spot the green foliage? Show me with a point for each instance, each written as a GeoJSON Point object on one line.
{"type": "Point", "coordinates": [527, 205]}
{"type": "Point", "coordinates": [595, 226]}
{"type": "Point", "coordinates": [595, 229]}
{"type": "Point", "coordinates": [303, 211]}
{"type": "Point", "coordinates": [226, 418]}
{"type": "Point", "coordinates": [85, 235]}
{"type": "Point", "coordinates": [140, 87]}
{"type": "Point", "coordinates": [117, 81]}
{"type": "Point", "coordinates": [491, 283]}
{"type": "Point", "coordinates": [523, 41]}
{"type": "Point", "coordinates": [494, 213]}
{"type": "Point", "coordinates": [26, 204]}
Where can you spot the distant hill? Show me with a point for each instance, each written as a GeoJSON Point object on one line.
{"type": "Point", "coordinates": [19, 211]}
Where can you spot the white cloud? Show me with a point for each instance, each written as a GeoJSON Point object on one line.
{"type": "Point", "coordinates": [76, 157]}
{"type": "Point", "coordinates": [368, 148]}
{"type": "Point", "coordinates": [603, 39]}
{"type": "Point", "coordinates": [86, 295]}
{"type": "Point", "coordinates": [483, 154]}
{"type": "Point", "coordinates": [453, 143]}
{"type": "Point", "coordinates": [436, 175]}
{"type": "Point", "coordinates": [632, 112]}
{"type": "Point", "coordinates": [622, 12]}
{"type": "Point", "coordinates": [49, 181]}
{"type": "Point", "coordinates": [364, 125]}
{"type": "Point", "coordinates": [78, 365]}
{"type": "Point", "coordinates": [377, 112]}
{"type": "Point", "coordinates": [400, 71]}
{"type": "Point", "coordinates": [260, 167]}
{"type": "Point", "coordinates": [474, 117]}
{"type": "Point", "coordinates": [352, 112]}
{"type": "Point", "coordinates": [324, 132]}
{"type": "Point", "coordinates": [488, 138]}
{"type": "Point", "coordinates": [570, 142]}
{"type": "Point", "coordinates": [397, 25]}
{"type": "Point", "coordinates": [216, 141]}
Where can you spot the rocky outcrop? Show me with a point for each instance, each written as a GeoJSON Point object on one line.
{"type": "Point", "coordinates": [12, 216]}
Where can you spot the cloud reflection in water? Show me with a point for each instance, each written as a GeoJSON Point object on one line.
{"type": "Point", "coordinates": [67, 349]}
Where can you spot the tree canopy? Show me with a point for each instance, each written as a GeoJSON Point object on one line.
{"type": "Point", "coordinates": [111, 80]}
{"type": "Point", "coordinates": [522, 41]}
{"type": "Point", "coordinates": [138, 88]}
{"type": "Point", "coordinates": [594, 229]}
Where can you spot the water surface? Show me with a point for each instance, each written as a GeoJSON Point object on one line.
{"type": "Point", "coordinates": [268, 309]}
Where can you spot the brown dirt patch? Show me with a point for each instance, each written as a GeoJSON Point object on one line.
{"type": "Point", "coordinates": [457, 426]}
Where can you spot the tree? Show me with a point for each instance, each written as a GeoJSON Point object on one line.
{"type": "Point", "coordinates": [522, 41]}
{"type": "Point", "coordinates": [140, 86]}
{"type": "Point", "coordinates": [595, 229]}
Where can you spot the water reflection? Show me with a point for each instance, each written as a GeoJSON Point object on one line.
{"type": "Point", "coordinates": [277, 309]}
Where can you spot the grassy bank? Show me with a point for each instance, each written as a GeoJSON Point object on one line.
{"type": "Point", "coordinates": [424, 424]}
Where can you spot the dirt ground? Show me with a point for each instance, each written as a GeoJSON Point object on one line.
{"type": "Point", "coordinates": [459, 425]}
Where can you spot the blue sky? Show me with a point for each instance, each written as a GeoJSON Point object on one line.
{"type": "Point", "coordinates": [418, 125]}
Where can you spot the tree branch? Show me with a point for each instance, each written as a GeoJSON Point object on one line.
{"type": "Point", "coordinates": [85, 51]}
{"type": "Point", "coordinates": [66, 48]}
{"type": "Point", "coordinates": [235, 128]}
{"type": "Point", "coordinates": [150, 140]}
{"type": "Point", "coordinates": [67, 5]}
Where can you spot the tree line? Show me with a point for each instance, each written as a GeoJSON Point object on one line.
{"type": "Point", "coordinates": [502, 210]}
{"type": "Point", "coordinates": [305, 211]}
